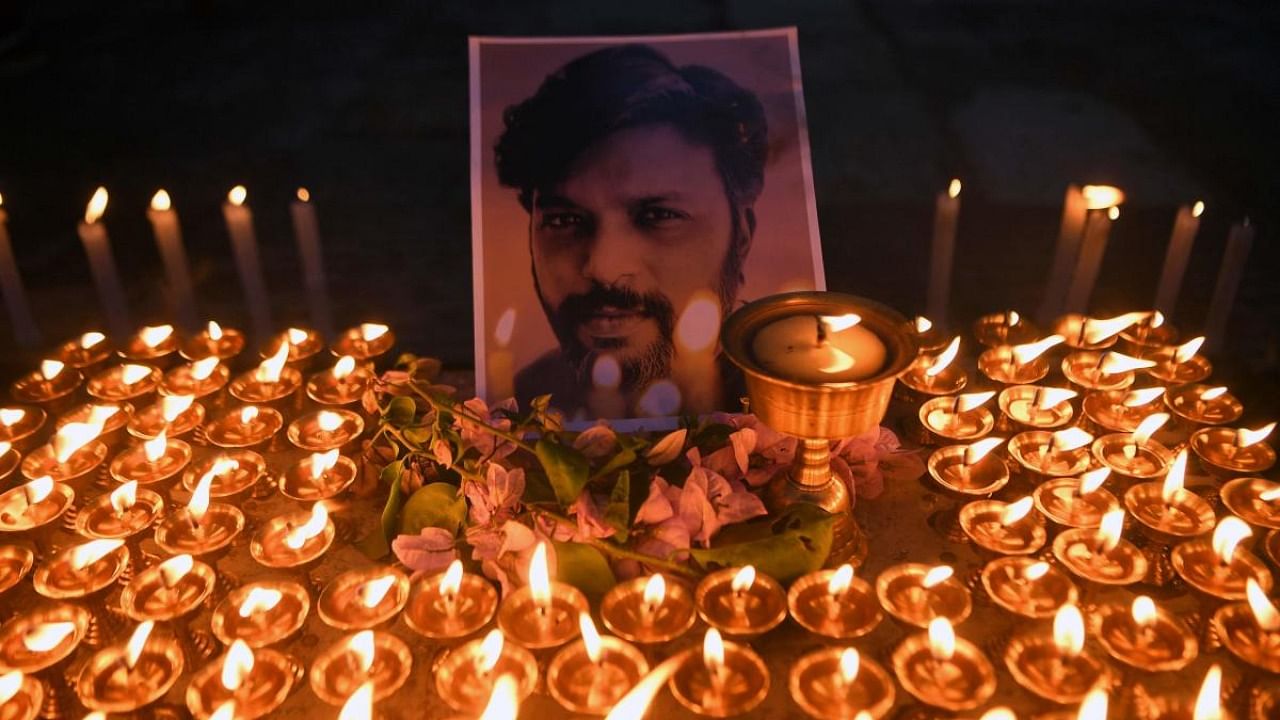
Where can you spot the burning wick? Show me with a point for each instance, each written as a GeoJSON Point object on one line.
{"type": "Point", "coordinates": [296, 336]}
{"type": "Point", "coordinates": [259, 600]}
{"type": "Point", "coordinates": [741, 585]}
{"type": "Point", "coordinates": [590, 638]}
{"type": "Point", "coordinates": [50, 369]}
{"type": "Point", "coordinates": [198, 505]}
{"type": "Point", "coordinates": [1246, 437]}
{"type": "Point", "coordinates": [490, 652]}
{"type": "Point", "coordinates": [269, 370]}
{"type": "Point", "coordinates": [361, 647]}
{"type": "Point", "coordinates": [1231, 531]}
{"type": "Point", "coordinates": [450, 583]}
{"type": "Point", "coordinates": [10, 684]}
{"type": "Point", "coordinates": [322, 463]}
{"type": "Point", "coordinates": [328, 421]}
{"type": "Point", "coordinates": [372, 592]}
{"type": "Point", "coordinates": [174, 569]}
{"type": "Point", "coordinates": [152, 336]}
{"type": "Point", "coordinates": [372, 331]}
{"type": "Point", "coordinates": [1209, 700]}
{"type": "Point", "coordinates": [713, 659]}
{"type": "Point", "coordinates": [939, 362]}
{"type": "Point", "coordinates": [504, 703]}
{"type": "Point", "coordinates": [91, 338]}
{"type": "Point", "coordinates": [1068, 631]}
{"type": "Point", "coordinates": [359, 706]}
{"type": "Point", "coordinates": [136, 644]}
{"type": "Point", "coordinates": [1091, 481]}
{"type": "Point", "coordinates": [298, 536]}
{"type": "Point", "coordinates": [849, 666]}
{"type": "Point", "coordinates": [540, 583]}
{"type": "Point", "coordinates": [47, 636]}
{"type": "Point", "coordinates": [942, 640]}
{"type": "Point", "coordinates": [1144, 617]}
{"type": "Point", "coordinates": [248, 414]}
{"type": "Point", "coordinates": [213, 330]}
{"type": "Point", "coordinates": [86, 555]}
{"type": "Point", "coordinates": [655, 592]}
{"type": "Point", "coordinates": [236, 665]}
{"type": "Point", "coordinates": [155, 447]}
{"type": "Point", "coordinates": [202, 369]}
{"type": "Point", "coordinates": [1142, 434]}
{"type": "Point", "coordinates": [344, 367]}
{"type": "Point", "coordinates": [133, 374]}
{"type": "Point", "coordinates": [1264, 613]}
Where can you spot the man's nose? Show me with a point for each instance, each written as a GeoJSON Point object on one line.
{"type": "Point", "coordinates": [615, 256]}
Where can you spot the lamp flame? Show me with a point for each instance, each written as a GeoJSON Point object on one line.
{"type": "Point", "coordinates": [995, 713]}
{"type": "Point", "coordinates": [175, 568]}
{"type": "Point", "coordinates": [943, 359]}
{"type": "Point", "coordinates": [131, 374]}
{"type": "Point", "coordinates": [840, 580]}
{"type": "Point", "coordinates": [373, 592]}
{"type": "Point", "coordinates": [1097, 331]}
{"type": "Point", "coordinates": [1068, 630]}
{"type": "Point", "coordinates": [713, 651]}
{"type": "Point", "coordinates": [1246, 437]}
{"type": "Point", "coordinates": [743, 579]}
{"type": "Point", "coordinates": [1016, 511]}
{"type": "Point", "coordinates": [942, 639]}
{"type": "Point", "coordinates": [155, 447]}
{"type": "Point", "coordinates": [198, 505]}
{"type": "Point", "coordinates": [1213, 393]}
{"type": "Point", "coordinates": [73, 436]}
{"type": "Point", "coordinates": [137, 643]}
{"type": "Point", "coordinates": [1187, 350]}
{"type": "Point", "coordinates": [344, 367]}
{"type": "Point", "coordinates": [86, 554]}
{"type": "Point", "coordinates": [303, 195]}
{"type": "Point", "coordinates": [635, 704]}
{"type": "Point", "coordinates": [296, 336]}
{"type": "Point", "coordinates": [322, 463]}
{"type": "Point", "coordinates": [1113, 213]}
{"type": "Point", "coordinates": [1143, 610]}
{"type": "Point", "coordinates": [10, 683]}
{"type": "Point", "coordinates": [259, 599]}
{"type": "Point", "coordinates": [47, 636]}
{"type": "Point", "coordinates": [237, 195]}
{"type": "Point", "coordinates": [1209, 700]}
{"type": "Point", "coordinates": [953, 189]}
{"type": "Point", "coordinates": [1231, 531]}
{"type": "Point", "coordinates": [100, 414]}
{"type": "Point", "coordinates": [1265, 613]}
{"type": "Point", "coordinates": [37, 490]}
{"type": "Point", "coordinates": [1070, 439]}
{"type": "Point", "coordinates": [1093, 479]}
{"type": "Point", "coordinates": [504, 701]}
{"type": "Point", "coordinates": [839, 323]}
{"type": "Point", "coordinates": [1114, 363]}
{"type": "Point", "coordinates": [973, 401]}
{"type": "Point", "coordinates": [1047, 397]}
{"type": "Point", "coordinates": [1025, 353]}
{"type": "Point", "coordinates": [1094, 706]}
{"type": "Point", "coordinates": [923, 324]}
{"type": "Point", "coordinates": [213, 330]}
{"type": "Point", "coordinates": [655, 590]}
{"type": "Point", "coordinates": [328, 420]}
{"type": "Point", "coordinates": [359, 705]}
{"type": "Point", "coordinates": [236, 665]}
{"type": "Point", "coordinates": [1148, 427]}
{"type": "Point", "coordinates": [202, 369]}
{"type": "Point", "coordinates": [849, 662]}
{"type": "Point", "coordinates": [11, 416]}
{"type": "Point", "coordinates": [1099, 197]}
{"type": "Point", "coordinates": [1198, 209]}
{"type": "Point", "coordinates": [50, 369]}
{"type": "Point", "coordinates": [936, 576]}
{"type": "Point", "coordinates": [315, 524]}
{"type": "Point", "coordinates": [1142, 396]}
{"type": "Point", "coordinates": [490, 651]}
{"type": "Point", "coordinates": [123, 497]}
{"type": "Point", "coordinates": [590, 637]}
{"type": "Point", "coordinates": [1155, 319]}
{"type": "Point", "coordinates": [1035, 571]}
{"type": "Point", "coordinates": [91, 338]}
{"type": "Point", "coordinates": [248, 414]}
{"type": "Point", "coordinates": [975, 452]}
{"type": "Point", "coordinates": [269, 369]}
{"type": "Point", "coordinates": [361, 645]}
{"type": "Point", "coordinates": [540, 576]}
{"type": "Point", "coordinates": [1173, 481]}
{"type": "Point", "coordinates": [225, 711]}
{"type": "Point", "coordinates": [97, 206]}
{"type": "Point", "coordinates": [1110, 529]}
{"type": "Point", "coordinates": [451, 581]}
{"type": "Point", "coordinates": [372, 331]}
{"type": "Point", "coordinates": [160, 201]}
{"type": "Point", "coordinates": [153, 335]}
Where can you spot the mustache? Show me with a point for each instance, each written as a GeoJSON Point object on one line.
{"type": "Point", "coordinates": [579, 307]}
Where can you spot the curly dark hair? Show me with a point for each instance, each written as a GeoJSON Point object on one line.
{"type": "Point", "coordinates": [627, 86]}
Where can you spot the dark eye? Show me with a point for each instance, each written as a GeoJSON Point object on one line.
{"type": "Point", "coordinates": [560, 220]}
{"type": "Point", "coordinates": [656, 215]}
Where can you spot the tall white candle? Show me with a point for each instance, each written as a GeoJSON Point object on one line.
{"type": "Point", "coordinates": [1065, 252]}
{"type": "Point", "coordinates": [1092, 248]}
{"type": "Point", "coordinates": [245, 247]}
{"type": "Point", "coordinates": [1185, 226]}
{"type": "Point", "coordinates": [1224, 293]}
{"type": "Point", "coordinates": [25, 332]}
{"type": "Point", "coordinates": [941, 259]}
{"type": "Point", "coordinates": [103, 266]}
{"type": "Point", "coordinates": [306, 232]}
{"type": "Point", "coordinates": [164, 225]}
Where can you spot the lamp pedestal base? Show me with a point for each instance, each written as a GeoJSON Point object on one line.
{"type": "Point", "coordinates": [811, 481]}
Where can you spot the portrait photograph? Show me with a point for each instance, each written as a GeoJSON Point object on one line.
{"type": "Point", "coordinates": [628, 193]}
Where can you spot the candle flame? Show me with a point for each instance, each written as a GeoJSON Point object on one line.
{"type": "Point", "coordinates": [995, 713]}
{"type": "Point", "coordinates": [97, 206]}
{"type": "Point", "coordinates": [713, 651]}
{"type": "Point", "coordinates": [975, 452]}
{"type": "Point", "coordinates": [1036, 570]}
{"type": "Point", "coordinates": [296, 537]}
{"type": "Point", "coordinates": [940, 361]}
{"type": "Point", "coordinates": [73, 436]}
{"type": "Point", "coordinates": [344, 367]}
{"type": "Point", "coordinates": [839, 323]}
{"type": "Point", "coordinates": [213, 330]}
{"type": "Point", "coordinates": [1110, 529]}
{"type": "Point", "coordinates": [237, 195]}
{"type": "Point", "coordinates": [153, 335]}
{"type": "Point", "coordinates": [1187, 350]}
{"type": "Point", "coordinates": [328, 421]}
{"type": "Point", "coordinates": [1113, 213]}
{"type": "Point", "coordinates": [86, 554]}
{"type": "Point", "coordinates": [923, 324]}
{"type": "Point", "coordinates": [296, 336]}
{"type": "Point", "coordinates": [131, 374]}
{"type": "Point", "coordinates": [259, 599]}
{"type": "Point", "coordinates": [1209, 700]}
{"type": "Point", "coordinates": [322, 463]}
{"type": "Point", "coordinates": [1142, 396]}
{"type": "Point", "coordinates": [10, 683]}
{"type": "Point", "coordinates": [1271, 495]}
{"type": "Point", "coordinates": [50, 369]}
{"type": "Point", "coordinates": [160, 201]}
{"type": "Point", "coordinates": [849, 662]}
{"type": "Point", "coordinates": [840, 580]}
{"type": "Point", "coordinates": [1231, 531]}
{"type": "Point", "coordinates": [372, 331]}
{"type": "Point", "coordinates": [225, 711]}
{"type": "Point", "coordinates": [137, 643]}
{"type": "Point", "coordinates": [269, 369]}
{"type": "Point", "coordinates": [175, 568]}
{"type": "Point", "coordinates": [1094, 706]}
{"type": "Point", "coordinates": [1173, 481]}
{"type": "Point", "coordinates": [1114, 363]}
{"type": "Point", "coordinates": [1246, 437]}
{"type": "Point", "coordinates": [236, 665]}
{"type": "Point", "coordinates": [248, 414]}
{"type": "Point", "coordinates": [1048, 397]}
{"type": "Point", "coordinates": [155, 447]}
{"type": "Point", "coordinates": [1148, 427]}
{"type": "Point", "coordinates": [1070, 439]}
{"type": "Point", "coordinates": [1101, 330]}
{"type": "Point", "coordinates": [1068, 630]}
{"type": "Point", "coordinates": [451, 581]}
{"type": "Point", "coordinates": [1265, 613]}
{"type": "Point", "coordinates": [372, 593]}
{"type": "Point", "coordinates": [91, 338]}
{"type": "Point", "coordinates": [303, 195]}
{"type": "Point", "coordinates": [504, 701]}
{"type": "Point", "coordinates": [539, 576]}
{"type": "Point", "coordinates": [936, 576]}
{"type": "Point", "coordinates": [37, 490]}
{"type": "Point", "coordinates": [590, 637]}
{"type": "Point", "coordinates": [359, 705]}
{"type": "Point", "coordinates": [1155, 319]}
{"type": "Point", "coordinates": [1093, 479]}
{"type": "Point", "coordinates": [635, 704]}
{"type": "Point", "coordinates": [942, 639]}
{"type": "Point", "coordinates": [1098, 197]}
{"type": "Point", "coordinates": [1025, 353]}
{"type": "Point", "coordinates": [202, 369]}
{"type": "Point", "coordinates": [490, 651]}
{"type": "Point", "coordinates": [1213, 393]}
{"type": "Point", "coordinates": [123, 497]}
{"type": "Point", "coordinates": [953, 189]}
{"type": "Point", "coordinates": [973, 401]}
{"type": "Point", "coordinates": [1198, 209]}
{"type": "Point", "coordinates": [655, 590]}
{"type": "Point", "coordinates": [198, 505]}
{"type": "Point", "coordinates": [743, 579]}
{"type": "Point", "coordinates": [11, 416]}
{"type": "Point", "coordinates": [5, 447]}
{"type": "Point", "coordinates": [1016, 511]}
{"type": "Point", "coordinates": [1143, 610]}
{"type": "Point", "coordinates": [505, 327]}
{"type": "Point", "coordinates": [362, 646]}
{"type": "Point", "coordinates": [47, 636]}
{"type": "Point", "coordinates": [1012, 318]}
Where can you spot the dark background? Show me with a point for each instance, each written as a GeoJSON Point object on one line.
{"type": "Point", "coordinates": [366, 105]}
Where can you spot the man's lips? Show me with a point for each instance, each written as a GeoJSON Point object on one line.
{"type": "Point", "coordinates": [612, 322]}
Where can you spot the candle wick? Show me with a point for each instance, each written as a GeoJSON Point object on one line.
{"type": "Point", "coordinates": [822, 330]}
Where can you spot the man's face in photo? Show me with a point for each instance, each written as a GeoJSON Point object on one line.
{"type": "Point", "coordinates": [640, 225]}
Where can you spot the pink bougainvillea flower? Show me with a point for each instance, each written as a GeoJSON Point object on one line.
{"type": "Point", "coordinates": [496, 499]}
{"type": "Point", "coordinates": [698, 510]}
{"type": "Point", "coordinates": [476, 436]}
{"type": "Point", "coordinates": [596, 441]}
{"type": "Point", "coordinates": [862, 461]}
{"type": "Point", "coordinates": [429, 551]}
{"type": "Point", "coordinates": [442, 452]}
{"type": "Point", "coordinates": [590, 519]}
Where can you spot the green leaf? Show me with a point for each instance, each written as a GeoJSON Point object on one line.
{"type": "Point", "coordinates": [625, 457]}
{"type": "Point", "coordinates": [617, 514]}
{"type": "Point", "coordinates": [583, 567]}
{"type": "Point", "coordinates": [785, 548]}
{"type": "Point", "coordinates": [537, 489]}
{"type": "Point", "coordinates": [378, 542]}
{"type": "Point", "coordinates": [567, 469]}
{"type": "Point", "coordinates": [401, 411]}
{"type": "Point", "coordinates": [418, 434]}
{"type": "Point", "coordinates": [436, 505]}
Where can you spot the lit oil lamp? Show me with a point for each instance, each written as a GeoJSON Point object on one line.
{"type": "Point", "coordinates": [176, 415]}
{"type": "Point", "coordinates": [70, 456]}
{"type": "Point", "coordinates": [914, 594]}
{"type": "Point", "coordinates": [1207, 704]}
{"type": "Point", "coordinates": [131, 382]}
{"type": "Point", "coordinates": [450, 605]}
{"type": "Point", "coordinates": [1004, 528]}
{"type": "Point", "coordinates": [1004, 328]}
{"type": "Point", "coordinates": [1135, 456]}
{"type": "Point", "coordinates": [957, 418]}
{"type": "Point", "coordinates": [294, 540]}
{"type": "Point", "coordinates": [1043, 455]}
{"type": "Point", "coordinates": [1195, 406]}
{"type": "Point", "coordinates": [271, 382]}
{"type": "Point", "coordinates": [152, 344]}
{"type": "Point", "coordinates": [969, 469]}
{"type": "Point", "coordinates": [33, 510]}
{"type": "Point", "coordinates": [124, 513]}
{"type": "Point", "coordinates": [466, 676]}
{"type": "Point", "coordinates": [202, 528]}
{"type": "Point", "coordinates": [82, 572]}
{"type": "Point", "coordinates": [244, 427]}
{"type": "Point", "coordinates": [1120, 411]}
{"type": "Point", "coordinates": [1085, 333]}
{"type": "Point", "coordinates": [648, 610]}
{"type": "Point", "coordinates": [86, 351]}
{"type": "Point", "coordinates": [21, 696]}
{"type": "Point", "coordinates": [113, 418]}
{"type": "Point", "coordinates": [367, 656]}
{"type": "Point", "coordinates": [944, 671]}
{"type": "Point", "coordinates": [1076, 502]}
{"type": "Point", "coordinates": [156, 462]}
{"type": "Point", "coordinates": [834, 603]}
{"type": "Point", "coordinates": [40, 643]}
{"type": "Point", "coordinates": [1254, 500]}
{"type": "Point", "coordinates": [304, 345]}
{"type": "Point", "coordinates": [201, 379]}
{"type": "Point", "coordinates": [542, 614]}
{"type": "Point", "coordinates": [15, 562]}
{"type": "Point", "coordinates": [365, 342]}
{"type": "Point", "coordinates": [1251, 630]}
{"type": "Point", "coordinates": [730, 679]}
{"type": "Point", "coordinates": [1034, 407]}
{"type": "Point", "coordinates": [1027, 587]}
{"type": "Point", "coordinates": [1148, 336]}
{"type": "Point", "coordinates": [1100, 555]}
{"type": "Point", "coordinates": [51, 387]}
{"type": "Point", "coordinates": [343, 384]}
{"type": "Point", "coordinates": [169, 591]}
{"type": "Point", "coordinates": [1181, 365]}
{"type": "Point", "coordinates": [740, 601]}
{"type": "Point", "coordinates": [261, 613]}
{"type": "Point", "coordinates": [126, 678]}
{"type": "Point", "coordinates": [319, 476]}
{"type": "Point", "coordinates": [325, 430]}
{"type": "Point", "coordinates": [213, 341]}
{"type": "Point", "coordinates": [1220, 568]}
{"type": "Point", "coordinates": [935, 375]}
{"type": "Point", "coordinates": [1055, 665]}
{"type": "Point", "coordinates": [19, 425]}
{"type": "Point", "coordinates": [1227, 452]}
{"type": "Point", "coordinates": [590, 675]}
{"type": "Point", "coordinates": [234, 473]}
{"type": "Point", "coordinates": [363, 599]}
{"type": "Point", "coordinates": [1166, 510]}
{"type": "Point", "coordinates": [255, 681]}
{"type": "Point", "coordinates": [1024, 364]}
{"type": "Point", "coordinates": [1145, 636]}
{"type": "Point", "coordinates": [1101, 371]}
{"type": "Point", "coordinates": [839, 682]}
{"type": "Point", "coordinates": [930, 338]}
